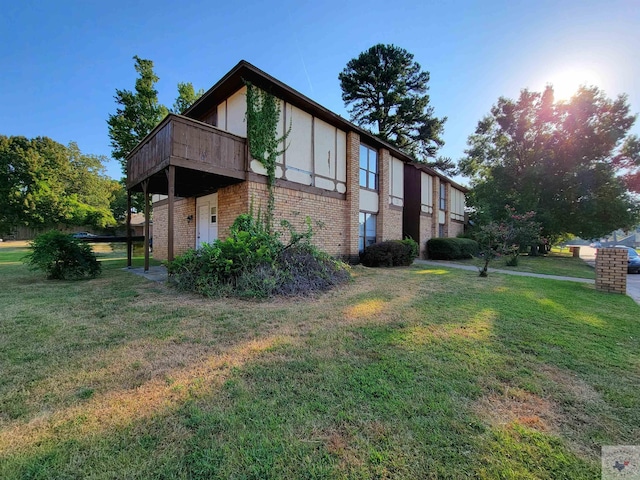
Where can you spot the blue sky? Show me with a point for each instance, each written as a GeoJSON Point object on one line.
{"type": "Point", "coordinates": [63, 60]}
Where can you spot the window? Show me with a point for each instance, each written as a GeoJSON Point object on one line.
{"type": "Point", "coordinates": [368, 168]}
{"type": "Point", "coordinates": [367, 232]}
{"type": "Point", "coordinates": [214, 214]}
{"type": "Point", "coordinates": [441, 232]}
{"type": "Point", "coordinates": [443, 196]}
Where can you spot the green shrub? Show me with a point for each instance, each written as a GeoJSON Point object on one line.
{"type": "Point", "coordinates": [62, 257]}
{"type": "Point", "coordinates": [253, 263]}
{"type": "Point", "coordinates": [451, 248]}
{"type": "Point", "coordinates": [392, 253]}
{"type": "Point", "coordinates": [415, 246]}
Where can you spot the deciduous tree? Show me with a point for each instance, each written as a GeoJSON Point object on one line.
{"type": "Point", "coordinates": [385, 90]}
{"type": "Point", "coordinates": [138, 112]}
{"type": "Point", "coordinates": [187, 96]}
{"type": "Point", "coordinates": [43, 183]}
{"type": "Point", "coordinates": [555, 158]}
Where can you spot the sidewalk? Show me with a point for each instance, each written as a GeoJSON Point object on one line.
{"type": "Point", "coordinates": [444, 263]}
{"type": "Point", "coordinates": [587, 254]}
{"type": "Point", "coordinates": [155, 274]}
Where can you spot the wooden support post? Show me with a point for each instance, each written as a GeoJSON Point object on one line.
{"type": "Point", "coordinates": [145, 190]}
{"type": "Point", "coordinates": [129, 240]}
{"type": "Point", "coordinates": [171, 180]}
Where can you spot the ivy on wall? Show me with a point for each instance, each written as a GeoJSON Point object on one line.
{"type": "Point", "coordinates": [263, 113]}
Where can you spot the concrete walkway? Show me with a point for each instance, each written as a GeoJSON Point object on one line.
{"type": "Point", "coordinates": [155, 274]}
{"type": "Point", "coordinates": [443, 263]}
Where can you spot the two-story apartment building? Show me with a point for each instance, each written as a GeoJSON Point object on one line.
{"type": "Point", "coordinates": [197, 169]}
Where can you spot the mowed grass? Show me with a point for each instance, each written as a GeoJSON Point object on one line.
{"type": "Point", "coordinates": [555, 263]}
{"type": "Point", "coordinates": [416, 372]}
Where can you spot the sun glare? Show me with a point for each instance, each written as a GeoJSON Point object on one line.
{"type": "Point", "coordinates": [566, 82]}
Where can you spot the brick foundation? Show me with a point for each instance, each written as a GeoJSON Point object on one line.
{"type": "Point", "coordinates": [611, 270]}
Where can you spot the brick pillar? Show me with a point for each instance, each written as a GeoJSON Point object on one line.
{"type": "Point", "coordinates": [382, 225]}
{"type": "Point", "coordinates": [447, 211]}
{"type": "Point", "coordinates": [436, 206]}
{"type": "Point", "coordinates": [611, 270]}
{"type": "Point", "coordinates": [353, 195]}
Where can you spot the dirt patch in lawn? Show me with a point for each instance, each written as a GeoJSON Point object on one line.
{"type": "Point", "coordinates": [571, 383]}
{"type": "Point", "coordinates": [517, 405]}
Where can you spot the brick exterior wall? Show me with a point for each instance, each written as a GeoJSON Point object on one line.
{"type": "Point", "coordinates": [233, 201]}
{"type": "Point", "coordinates": [611, 270]}
{"type": "Point", "coordinates": [426, 232]}
{"type": "Point", "coordinates": [392, 229]}
{"type": "Point", "coordinates": [292, 205]}
{"type": "Point", "coordinates": [382, 227]}
{"type": "Point", "coordinates": [295, 206]}
{"type": "Point", "coordinates": [184, 236]}
{"type": "Point", "coordinates": [352, 207]}
{"type": "Point", "coordinates": [455, 228]}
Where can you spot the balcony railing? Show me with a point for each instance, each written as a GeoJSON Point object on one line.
{"type": "Point", "coordinates": [187, 143]}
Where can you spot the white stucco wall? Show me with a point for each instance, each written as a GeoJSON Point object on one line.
{"type": "Point", "coordinates": [368, 201]}
{"type": "Point", "coordinates": [456, 208]}
{"type": "Point", "coordinates": [426, 192]}
{"type": "Point", "coordinates": [396, 181]}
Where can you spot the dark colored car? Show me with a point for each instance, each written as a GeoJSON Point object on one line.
{"type": "Point", "coordinates": [634, 259]}
{"type": "Point", "coordinates": [82, 235]}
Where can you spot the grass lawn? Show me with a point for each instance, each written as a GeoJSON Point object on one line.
{"type": "Point", "coordinates": [555, 263]}
{"type": "Point", "coordinates": [419, 372]}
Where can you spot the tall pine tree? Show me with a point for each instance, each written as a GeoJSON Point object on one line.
{"type": "Point", "coordinates": [385, 91]}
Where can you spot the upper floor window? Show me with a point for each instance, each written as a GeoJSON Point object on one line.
{"type": "Point", "coordinates": [368, 168]}
{"type": "Point", "coordinates": [443, 196]}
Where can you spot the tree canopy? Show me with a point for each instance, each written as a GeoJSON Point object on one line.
{"type": "Point", "coordinates": [187, 96]}
{"type": "Point", "coordinates": [139, 111]}
{"type": "Point", "coordinates": [44, 184]}
{"type": "Point", "coordinates": [385, 90]}
{"type": "Point", "coordinates": [559, 159]}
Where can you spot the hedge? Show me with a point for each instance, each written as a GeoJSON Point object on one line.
{"type": "Point", "coordinates": [392, 253]}
{"type": "Point", "coordinates": [451, 248]}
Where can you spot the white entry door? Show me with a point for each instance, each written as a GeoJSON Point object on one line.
{"type": "Point", "coordinates": [207, 227]}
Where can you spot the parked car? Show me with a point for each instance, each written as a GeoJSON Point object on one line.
{"type": "Point", "coordinates": [634, 259]}
{"type": "Point", "coordinates": [82, 235]}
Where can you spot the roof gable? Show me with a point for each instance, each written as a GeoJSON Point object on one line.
{"type": "Point", "coordinates": [245, 71]}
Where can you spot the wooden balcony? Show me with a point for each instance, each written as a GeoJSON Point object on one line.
{"type": "Point", "coordinates": [205, 158]}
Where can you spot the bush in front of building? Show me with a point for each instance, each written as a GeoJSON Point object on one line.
{"type": "Point", "coordinates": [451, 248]}
{"type": "Point", "coordinates": [253, 263]}
{"type": "Point", "coordinates": [391, 253]}
{"type": "Point", "coordinates": [62, 257]}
